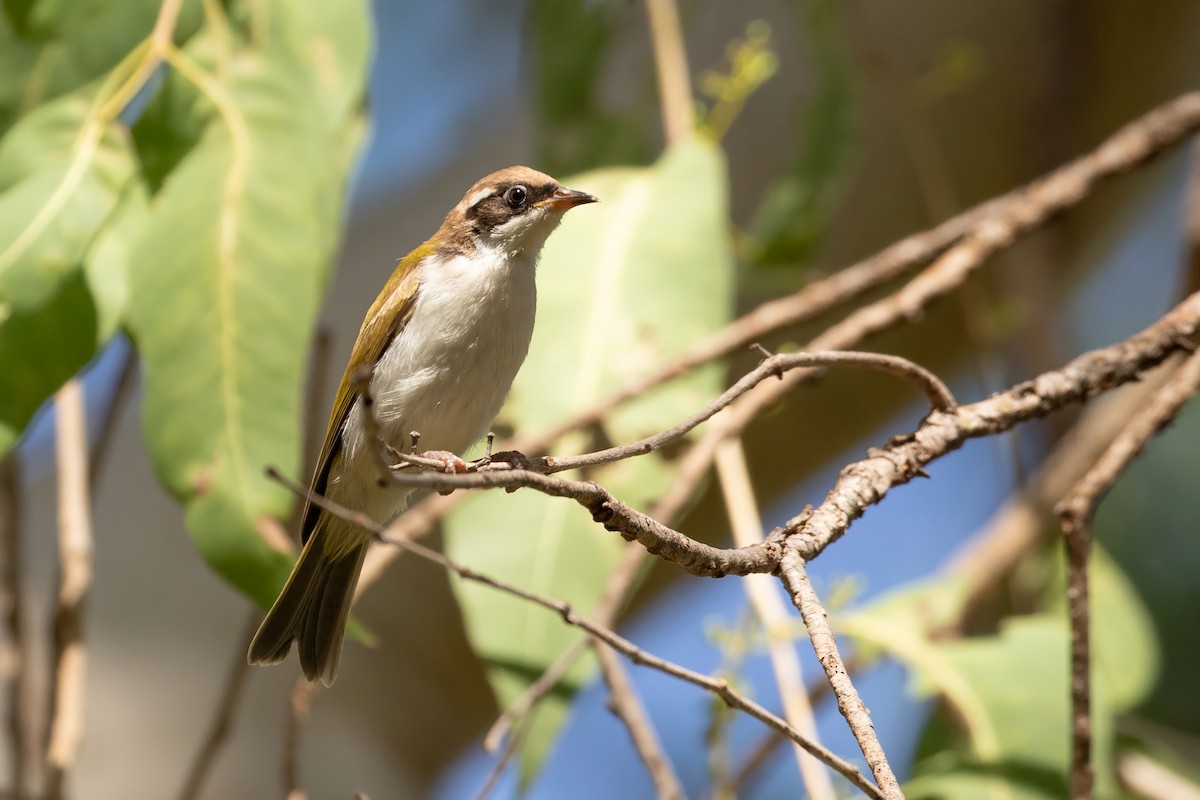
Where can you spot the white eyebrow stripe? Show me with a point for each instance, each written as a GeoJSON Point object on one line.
{"type": "Point", "coordinates": [479, 196]}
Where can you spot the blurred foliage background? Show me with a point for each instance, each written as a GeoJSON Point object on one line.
{"type": "Point", "coordinates": [179, 180]}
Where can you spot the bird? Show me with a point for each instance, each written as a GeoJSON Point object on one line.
{"type": "Point", "coordinates": [441, 344]}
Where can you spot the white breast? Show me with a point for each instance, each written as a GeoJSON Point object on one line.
{"type": "Point", "coordinates": [447, 373]}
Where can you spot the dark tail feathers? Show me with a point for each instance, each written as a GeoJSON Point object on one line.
{"type": "Point", "coordinates": [312, 609]}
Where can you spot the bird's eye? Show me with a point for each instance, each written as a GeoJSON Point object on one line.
{"type": "Point", "coordinates": [516, 196]}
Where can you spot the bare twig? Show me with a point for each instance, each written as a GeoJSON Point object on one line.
{"type": "Point", "coordinates": [533, 695]}
{"type": "Point", "coordinates": [628, 708]}
{"type": "Point", "coordinates": [762, 750]}
{"type": "Point", "coordinates": [774, 366]}
{"type": "Point", "coordinates": [719, 687]}
{"type": "Point", "coordinates": [670, 59]}
{"type": "Point", "coordinates": [866, 482]}
{"type": "Point", "coordinates": [1077, 512]}
{"type": "Point", "coordinates": [795, 578]}
{"type": "Point", "coordinates": [75, 549]}
{"type": "Point", "coordinates": [222, 723]}
{"type": "Point", "coordinates": [298, 708]}
{"type": "Point", "coordinates": [616, 590]}
{"type": "Point", "coordinates": [497, 771]}
{"type": "Point", "coordinates": [996, 549]}
{"type": "Point", "coordinates": [13, 660]}
{"type": "Point", "coordinates": [762, 591]}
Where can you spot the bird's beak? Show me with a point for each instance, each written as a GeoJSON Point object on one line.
{"type": "Point", "coordinates": [564, 198]}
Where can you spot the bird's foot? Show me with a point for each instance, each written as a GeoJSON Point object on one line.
{"type": "Point", "coordinates": [451, 464]}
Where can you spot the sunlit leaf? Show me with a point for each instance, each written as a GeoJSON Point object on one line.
{"type": "Point", "coordinates": [40, 350]}
{"type": "Point", "coordinates": [225, 283]}
{"type": "Point", "coordinates": [64, 44]}
{"type": "Point", "coordinates": [1007, 733]}
{"type": "Point", "coordinates": [63, 178]}
{"type": "Point", "coordinates": [64, 175]}
{"type": "Point", "coordinates": [622, 286]}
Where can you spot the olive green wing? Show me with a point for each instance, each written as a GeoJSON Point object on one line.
{"type": "Point", "coordinates": [388, 315]}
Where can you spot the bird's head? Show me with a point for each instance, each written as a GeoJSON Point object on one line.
{"type": "Point", "coordinates": [513, 210]}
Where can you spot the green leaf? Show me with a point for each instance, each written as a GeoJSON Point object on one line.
{"type": "Point", "coordinates": [622, 286]}
{"type": "Point", "coordinates": [63, 180]}
{"type": "Point", "coordinates": [64, 44]}
{"type": "Point", "coordinates": [63, 176]}
{"type": "Point", "coordinates": [1125, 649]}
{"type": "Point", "coordinates": [225, 283]}
{"type": "Point", "coordinates": [40, 350]}
{"type": "Point", "coordinates": [1009, 693]}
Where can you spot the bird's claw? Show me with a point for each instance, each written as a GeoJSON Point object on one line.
{"type": "Point", "coordinates": [514, 458]}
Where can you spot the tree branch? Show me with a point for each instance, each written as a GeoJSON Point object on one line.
{"type": "Point", "coordinates": [1077, 512]}
{"type": "Point", "coordinates": [628, 708]}
{"type": "Point", "coordinates": [14, 660]}
{"type": "Point", "coordinates": [746, 525]}
{"type": "Point", "coordinates": [639, 656]}
{"type": "Point", "coordinates": [795, 578]}
{"type": "Point", "coordinates": [75, 549]}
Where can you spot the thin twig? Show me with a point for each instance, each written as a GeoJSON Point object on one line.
{"type": "Point", "coordinates": [639, 656]}
{"type": "Point", "coordinates": [533, 695]}
{"type": "Point", "coordinates": [996, 549]}
{"type": "Point", "coordinates": [774, 366]}
{"type": "Point", "coordinates": [14, 659]}
{"type": "Point", "coordinates": [1077, 512]}
{"type": "Point", "coordinates": [761, 752]}
{"type": "Point", "coordinates": [75, 553]}
{"type": "Point", "coordinates": [864, 483]}
{"type": "Point", "coordinates": [617, 589]}
{"type": "Point", "coordinates": [763, 594]}
{"type": "Point", "coordinates": [670, 59]}
{"type": "Point", "coordinates": [222, 724]}
{"type": "Point", "coordinates": [629, 709]}
{"type": "Point", "coordinates": [300, 704]}
{"type": "Point", "coordinates": [795, 578]}
{"type": "Point", "coordinates": [506, 756]}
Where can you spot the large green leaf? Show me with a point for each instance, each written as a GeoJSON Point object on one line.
{"type": "Point", "coordinates": [225, 284]}
{"type": "Point", "coordinates": [64, 181]}
{"type": "Point", "coordinates": [61, 45]}
{"type": "Point", "coordinates": [1009, 692]}
{"type": "Point", "coordinates": [622, 286]}
{"type": "Point", "coordinates": [63, 175]}
{"type": "Point", "coordinates": [40, 350]}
